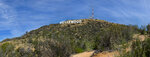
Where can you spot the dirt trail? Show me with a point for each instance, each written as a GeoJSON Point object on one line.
{"type": "Point", "coordinates": [107, 54]}
{"type": "Point", "coordinates": [84, 54]}
{"type": "Point", "coordinates": [113, 53]}
{"type": "Point", "coordinates": [136, 36]}
{"type": "Point", "coordinates": [140, 37]}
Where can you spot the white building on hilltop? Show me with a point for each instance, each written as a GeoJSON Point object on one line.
{"type": "Point", "coordinates": [71, 21]}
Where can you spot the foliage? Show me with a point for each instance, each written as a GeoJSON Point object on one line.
{"type": "Point", "coordinates": [143, 30]}
{"type": "Point", "coordinates": [148, 29]}
{"type": "Point", "coordinates": [139, 49]}
{"type": "Point", "coordinates": [6, 48]}
{"type": "Point", "coordinates": [62, 40]}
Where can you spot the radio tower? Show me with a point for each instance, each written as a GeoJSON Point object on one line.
{"type": "Point", "coordinates": [92, 16]}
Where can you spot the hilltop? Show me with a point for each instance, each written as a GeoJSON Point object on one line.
{"type": "Point", "coordinates": [62, 40]}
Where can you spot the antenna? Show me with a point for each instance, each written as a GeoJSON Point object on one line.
{"type": "Point", "coordinates": [92, 13]}
{"type": "Point", "coordinates": [92, 16]}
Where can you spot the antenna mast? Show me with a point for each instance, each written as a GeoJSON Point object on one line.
{"type": "Point", "coordinates": [92, 16]}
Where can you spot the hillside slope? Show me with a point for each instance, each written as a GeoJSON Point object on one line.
{"type": "Point", "coordinates": [114, 53]}
{"type": "Point", "coordinates": [62, 40]}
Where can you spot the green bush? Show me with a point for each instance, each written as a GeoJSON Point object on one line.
{"type": "Point", "coordinates": [79, 50]}
{"type": "Point", "coordinates": [139, 49]}
{"type": "Point", "coordinates": [7, 47]}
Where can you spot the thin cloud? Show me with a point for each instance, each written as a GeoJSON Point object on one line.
{"type": "Point", "coordinates": [19, 16]}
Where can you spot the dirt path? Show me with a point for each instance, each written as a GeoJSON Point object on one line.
{"type": "Point", "coordinates": [107, 54]}
{"type": "Point", "coordinates": [136, 36]}
{"type": "Point", "coordinates": [84, 54]}
{"type": "Point", "coordinates": [113, 53]}
{"type": "Point", "coordinates": [140, 37]}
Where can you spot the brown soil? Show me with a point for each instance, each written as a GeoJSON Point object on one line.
{"type": "Point", "coordinates": [107, 54]}
{"type": "Point", "coordinates": [84, 54]}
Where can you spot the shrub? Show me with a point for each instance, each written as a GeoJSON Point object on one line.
{"type": "Point", "coordinates": [6, 49]}
{"type": "Point", "coordinates": [139, 49]}
{"type": "Point", "coordinates": [79, 50]}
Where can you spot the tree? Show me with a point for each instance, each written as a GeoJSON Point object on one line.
{"type": "Point", "coordinates": [148, 29]}
{"type": "Point", "coordinates": [143, 30]}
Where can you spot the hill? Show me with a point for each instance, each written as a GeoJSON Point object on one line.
{"type": "Point", "coordinates": [62, 40]}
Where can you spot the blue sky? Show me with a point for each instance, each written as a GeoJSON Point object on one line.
{"type": "Point", "coordinates": [19, 16]}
